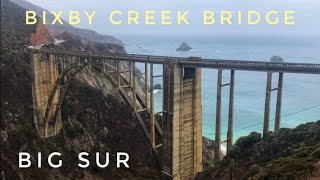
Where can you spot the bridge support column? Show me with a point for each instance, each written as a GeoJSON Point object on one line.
{"type": "Point", "coordinates": [217, 148]}
{"type": "Point", "coordinates": [118, 73]}
{"type": "Point", "coordinates": [279, 103]}
{"type": "Point", "coordinates": [146, 86]}
{"type": "Point", "coordinates": [152, 123]}
{"type": "Point", "coordinates": [44, 74]}
{"type": "Point", "coordinates": [182, 104]}
{"type": "Point", "coordinates": [130, 73]}
{"type": "Point", "coordinates": [170, 70]}
{"type": "Point", "coordinates": [230, 117]}
{"type": "Point", "coordinates": [267, 105]}
{"type": "Point", "coordinates": [134, 88]}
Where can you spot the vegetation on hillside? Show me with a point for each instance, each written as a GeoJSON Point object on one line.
{"type": "Point", "coordinates": [292, 154]}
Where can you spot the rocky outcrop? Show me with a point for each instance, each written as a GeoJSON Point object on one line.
{"type": "Point", "coordinates": [184, 47]}
{"type": "Point", "coordinates": [41, 36]}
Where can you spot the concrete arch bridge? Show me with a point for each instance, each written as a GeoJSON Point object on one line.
{"type": "Point", "coordinates": [176, 137]}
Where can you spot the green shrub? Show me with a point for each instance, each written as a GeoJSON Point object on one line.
{"type": "Point", "coordinates": [316, 153]}
{"type": "Point", "coordinates": [248, 141]}
{"type": "Point", "coordinates": [288, 167]}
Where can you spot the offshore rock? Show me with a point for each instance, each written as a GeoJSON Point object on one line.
{"type": "Point", "coordinates": [184, 47]}
{"type": "Point", "coordinates": [276, 59]}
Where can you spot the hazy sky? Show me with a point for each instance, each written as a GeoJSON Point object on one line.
{"type": "Point", "coordinates": [307, 15]}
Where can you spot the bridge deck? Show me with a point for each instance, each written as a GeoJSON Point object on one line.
{"type": "Point", "coordinates": [264, 66]}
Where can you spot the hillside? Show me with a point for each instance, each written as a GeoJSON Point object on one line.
{"type": "Point", "coordinates": [15, 34]}
{"type": "Point", "coordinates": [293, 154]}
{"type": "Point", "coordinates": [95, 119]}
{"type": "Point", "coordinates": [58, 29]}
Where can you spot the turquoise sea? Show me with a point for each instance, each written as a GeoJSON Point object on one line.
{"type": "Point", "coordinates": [301, 93]}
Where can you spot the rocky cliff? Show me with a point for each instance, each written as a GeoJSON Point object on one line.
{"type": "Point", "coordinates": [41, 36]}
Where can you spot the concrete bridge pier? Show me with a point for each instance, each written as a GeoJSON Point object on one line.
{"type": "Point", "coordinates": [44, 74]}
{"type": "Point", "coordinates": [133, 87]}
{"type": "Point", "coordinates": [151, 111]}
{"type": "Point", "coordinates": [182, 157]}
{"type": "Point", "coordinates": [218, 114]}
{"type": "Point", "coordinates": [217, 149]}
{"type": "Point", "coordinates": [118, 78]}
{"type": "Point", "coordinates": [146, 87]}
{"type": "Point", "coordinates": [279, 104]}
{"type": "Point", "coordinates": [267, 104]}
{"type": "Point", "coordinates": [230, 116]}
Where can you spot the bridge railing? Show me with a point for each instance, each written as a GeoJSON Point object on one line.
{"type": "Point", "coordinates": [254, 65]}
{"type": "Point", "coordinates": [198, 62]}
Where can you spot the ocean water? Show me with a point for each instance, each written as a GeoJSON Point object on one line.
{"type": "Point", "coordinates": [301, 93]}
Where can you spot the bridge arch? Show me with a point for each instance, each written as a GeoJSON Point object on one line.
{"type": "Point", "coordinates": [67, 71]}
{"type": "Point", "coordinates": [58, 92]}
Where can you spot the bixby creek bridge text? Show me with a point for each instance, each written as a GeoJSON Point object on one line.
{"type": "Point", "coordinates": [168, 17]}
